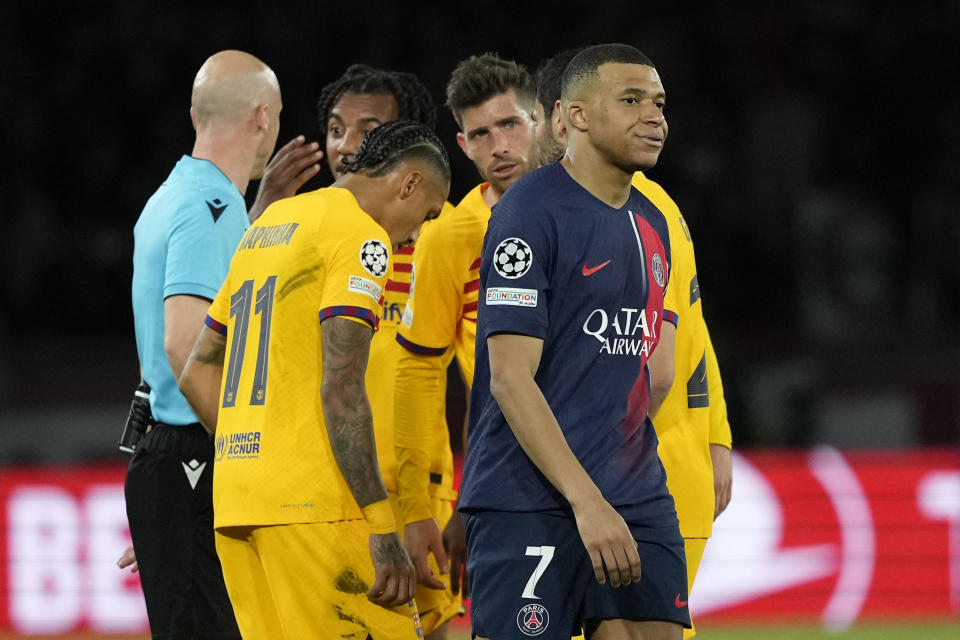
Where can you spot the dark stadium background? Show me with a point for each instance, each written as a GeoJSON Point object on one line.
{"type": "Point", "coordinates": [813, 150]}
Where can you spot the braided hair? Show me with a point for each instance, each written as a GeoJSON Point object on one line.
{"type": "Point", "coordinates": [413, 99]}
{"type": "Point", "coordinates": [393, 142]}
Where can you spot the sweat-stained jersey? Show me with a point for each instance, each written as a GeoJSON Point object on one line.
{"type": "Point", "coordinates": [384, 355]}
{"type": "Point", "coordinates": [693, 416]}
{"type": "Point", "coordinates": [307, 258]}
{"type": "Point", "coordinates": [588, 279]}
{"type": "Point", "coordinates": [441, 313]}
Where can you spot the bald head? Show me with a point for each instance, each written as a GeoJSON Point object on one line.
{"type": "Point", "coordinates": [229, 85]}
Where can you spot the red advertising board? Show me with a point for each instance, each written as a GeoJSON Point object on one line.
{"type": "Point", "coordinates": [810, 535]}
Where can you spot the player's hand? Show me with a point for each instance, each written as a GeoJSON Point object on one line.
{"type": "Point", "coordinates": [396, 579]}
{"type": "Point", "coordinates": [722, 478]}
{"type": "Point", "coordinates": [455, 544]}
{"type": "Point", "coordinates": [609, 542]}
{"type": "Point", "coordinates": [291, 167]}
{"type": "Point", "coordinates": [128, 559]}
{"type": "Point", "coordinates": [421, 539]}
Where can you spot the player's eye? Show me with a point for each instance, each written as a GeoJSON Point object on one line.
{"type": "Point", "coordinates": [661, 105]}
{"type": "Point", "coordinates": [629, 100]}
{"type": "Point", "coordinates": [509, 124]}
{"type": "Point", "coordinates": [335, 131]}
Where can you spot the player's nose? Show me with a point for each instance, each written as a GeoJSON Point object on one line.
{"type": "Point", "coordinates": [349, 144]}
{"type": "Point", "coordinates": [501, 144]}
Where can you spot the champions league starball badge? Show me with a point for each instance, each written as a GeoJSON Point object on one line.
{"type": "Point", "coordinates": [373, 257]}
{"type": "Point", "coordinates": [512, 258]}
{"type": "Point", "coordinates": [533, 619]}
{"type": "Point", "coordinates": [656, 265]}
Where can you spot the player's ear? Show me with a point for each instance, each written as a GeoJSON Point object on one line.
{"type": "Point", "coordinates": [409, 183]}
{"type": "Point", "coordinates": [575, 115]}
{"type": "Point", "coordinates": [556, 121]}
{"type": "Point", "coordinates": [261, 118]}
{"type": "Point", "coordinates": [462, 142]}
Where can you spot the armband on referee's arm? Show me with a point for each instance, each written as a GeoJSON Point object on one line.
{"type": "Point", "coordinates": [380, 518]}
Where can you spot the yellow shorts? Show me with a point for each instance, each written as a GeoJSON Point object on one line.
{"type": "Point", "coordinates": [299, 581]}
{"type": "Point", "coordinates": [436, 607]}
{"type": "Point", "coordinates": [693, 548]}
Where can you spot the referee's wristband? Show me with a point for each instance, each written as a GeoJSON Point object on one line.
{"type": "Point", "coordinates": [379, 516]}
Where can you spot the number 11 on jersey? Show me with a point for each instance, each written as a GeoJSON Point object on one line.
{"type": "Point", "coordinates": [240, 310]}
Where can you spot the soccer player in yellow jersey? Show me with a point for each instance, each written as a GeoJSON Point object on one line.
{"type": "Point", "coordinates": [304, 530]}
{"type": "Point", "coordinates": [690, 416]}
{"type": "Point", "coordinates": [349, 108]}
{"type": "Point", "coordinates": [492, 101]}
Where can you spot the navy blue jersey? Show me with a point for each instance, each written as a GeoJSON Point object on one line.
{"type": "Point", "coordinates": [588, 279]}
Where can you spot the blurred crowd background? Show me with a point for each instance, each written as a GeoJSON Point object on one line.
{"type": "Point", "coordinates": [812, 149]}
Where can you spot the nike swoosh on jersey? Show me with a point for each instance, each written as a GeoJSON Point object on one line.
{"type": "Point", "coordinates": [194, 470]}
{"type": "Point", "coordinates": [589, 271]}
{"type": "Point", "coordinates": [678, 603]}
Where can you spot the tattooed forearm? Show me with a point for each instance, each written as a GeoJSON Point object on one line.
{"type": "Point", "coordinates": [210, 348]}
{"type": "Point", "coordinates": [388, 549]}
{"type": "Point", "coordinates": [346, 409]}
{"type": "Point", "coordinates": [202, 375]}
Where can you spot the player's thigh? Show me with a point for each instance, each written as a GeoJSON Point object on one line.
{"type": "Point", "coordinates": [247, 584]}
{"type": "Point", "coordinates": [633, 630]}
{"type": "Point", "coordinates": [659, 595]}
{"type": "Point", "coordinates": [319, 575]}
{"type": "Point", "coordinates": [528, 574]}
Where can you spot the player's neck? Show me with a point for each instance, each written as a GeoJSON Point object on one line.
{"type": "Point", "coordinates": [594, 173]}
{"type": "Point", "coordinates": [229, 152]}
{"type": "Point", "coordinates": [491, 195]}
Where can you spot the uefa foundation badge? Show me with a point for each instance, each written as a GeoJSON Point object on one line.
{"type": "Point", "coordinates": [533, 619]}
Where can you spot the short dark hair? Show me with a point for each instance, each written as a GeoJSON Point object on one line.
{"type": "Point", "coordinates": [413, 99]}
{"type": "Point", "coordinates": [393, 142]}
{"type": "Point", "coordinates": [479, 78]}
{"type": "Point", "coordinates": [586, 63]}
{"type": "Point", "coordinates": [549, 75]}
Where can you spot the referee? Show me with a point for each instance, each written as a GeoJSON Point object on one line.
{"type": "Point", "coordinates": [183, 242]}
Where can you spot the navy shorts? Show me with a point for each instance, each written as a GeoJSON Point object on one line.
{"type": "Point", "coordinates": [530, 575]}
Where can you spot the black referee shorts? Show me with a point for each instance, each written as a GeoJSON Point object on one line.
{"type": "Point", "coordinates": [169, 495]}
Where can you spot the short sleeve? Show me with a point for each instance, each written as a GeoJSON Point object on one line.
{"type": "Point", "coordinates": [356, 273]}
{"type": "Point", "coordinates": [433, 310]}
{"type": "Point", "coordinates": [199, 249]}
{"type": "Point", "coordinates": [514, 270]}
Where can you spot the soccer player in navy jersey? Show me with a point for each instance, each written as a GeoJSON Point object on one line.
{"type": "Point", "coordinates": [563, 494]}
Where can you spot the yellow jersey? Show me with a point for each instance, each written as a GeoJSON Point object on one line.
{"type": "Point", "coordinates": [384, 356]}
{"type": "Point", "coordinates": [693, 416]}
{"type": "Point", "coordinates": [441, 313]}
{"type": "Point", "coordinates": [307, 258]}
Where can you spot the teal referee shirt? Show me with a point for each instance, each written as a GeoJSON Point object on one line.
{"type": "Point", "coordinates": [183, 243]}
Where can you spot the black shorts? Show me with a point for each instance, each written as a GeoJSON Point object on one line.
{"type": "Point", "coordinates": [530, 575]}
{"type": "Point", "coordinates": [169, 494]}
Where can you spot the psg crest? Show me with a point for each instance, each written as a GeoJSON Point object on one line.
{"type": "Point", "coordinates": [512, 258]}
{"type": "Point", "coordinates": [533, 619]}
{"type": "Point", "coordinates": [656, 265]}
{"type": "Point", "coordinates": [373, 257]}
